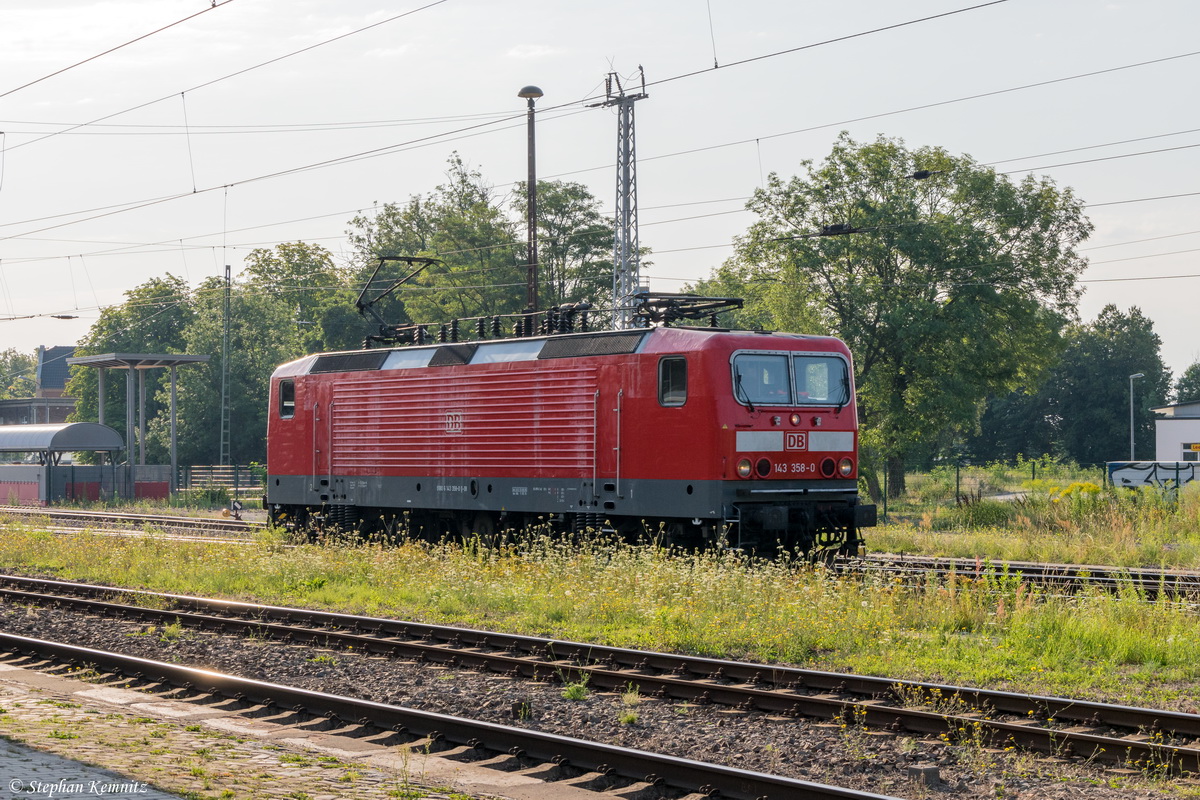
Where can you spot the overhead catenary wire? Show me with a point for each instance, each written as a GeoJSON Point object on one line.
{"type": "Point", "coordinates": [397, 148]}
{"type": "Point", "coordinates": [1086, 147]}
{"type": "Point", "coordinates": [230, 129]}
{"type": "Point", "coordinates": [238, 72]}
{"type": "Point", "coordinates": [650, 208]}
{"type": "Point", "coordinates": [215, 5]}
{"type": "Point", "coordinates": [191, 158]}
{"type": "Point", "coordinates": [1101, 204]}
{"type": "Point", "coordinates": [121, 208]}
{"type": "Point", "coordinates": [126, 250]}
{"type": "Point", "coordinates": [894, 112]}
{"type": "Point", "coordinates": [400, 147]}
{"type": "Point", "coordinates": [835, 40]}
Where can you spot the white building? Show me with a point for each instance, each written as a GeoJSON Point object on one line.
{"type": "Point", "coordinates": [1177, 432]}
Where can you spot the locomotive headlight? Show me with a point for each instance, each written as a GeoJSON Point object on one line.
{"type": "Point", "coordinates": [795, 419]}
{"type": "Point", "coordinates": [846, 467]}
{"type": "Point", "coordinates": [744, 467]}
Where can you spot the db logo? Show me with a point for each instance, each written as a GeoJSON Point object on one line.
{"type": "Point", "coordinates": [796, 441]}
{"type": "Point", "coordinates": [454, 422]}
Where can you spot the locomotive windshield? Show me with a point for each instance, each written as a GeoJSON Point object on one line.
{"type": "Point", "coordinates": [783, 379]}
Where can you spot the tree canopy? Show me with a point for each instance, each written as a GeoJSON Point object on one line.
{"type": "Point", "coordinates": [463, 223]}
{"type": "Point", "coordinates": [575, 243]}
{"type": "Point", "coordinates": [17, 374]}
{"type": "Point", "coordinates": [1187, 388]}
{"type": "Point", "coordinates": [1081, 411]}
{"type": "Point", "coordinates": [947, 280]}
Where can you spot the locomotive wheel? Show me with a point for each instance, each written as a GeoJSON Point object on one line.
{"type": "Point", "coordinates": [481, 526]}
{"type": "Point", "coordinates": [485, 525]}
{"type": "Point", "coordinates": [676, 535]}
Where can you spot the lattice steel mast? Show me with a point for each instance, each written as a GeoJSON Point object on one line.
{"type": "Point", "coordinates": [225, 432]}
{"type": "Point", "coordinates": [625, 239]}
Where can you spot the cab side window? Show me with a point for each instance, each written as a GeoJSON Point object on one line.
{"type": "Point", "coordinates": [287, 399]}
{"type": "Point", "coordinates": [672, 381]}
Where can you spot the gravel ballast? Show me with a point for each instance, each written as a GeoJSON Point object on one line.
{"type": "Point", "coordinates": [833, 753]}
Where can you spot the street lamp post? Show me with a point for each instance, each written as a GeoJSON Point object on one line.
{"type": "Point", "coordinates": [531, 93]}
{"type": "Point", "coordinates": [1132, 377]}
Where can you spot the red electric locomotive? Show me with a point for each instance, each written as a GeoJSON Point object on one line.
{"type": "Point", "coordinates": [698, 435]}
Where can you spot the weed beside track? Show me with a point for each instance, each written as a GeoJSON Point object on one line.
{"type": "Point", "coordinates": [992, 631]}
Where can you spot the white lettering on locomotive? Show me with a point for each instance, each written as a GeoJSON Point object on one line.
{"type": "Point", "coordinates": [454, 422]}
{"type": "Point", "coordinates": [796, 440]}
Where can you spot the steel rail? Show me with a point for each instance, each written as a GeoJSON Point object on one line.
{"type": "Point", "coordinates": [1152, 582]}
{"type": "Point", "coordinates": [712, 780]}
{"type": "Point", "coordinates": [785, 690]}
{"type": "Point", "coordinates": [121, 518]}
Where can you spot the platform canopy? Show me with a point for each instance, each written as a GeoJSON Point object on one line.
{"type": "Point", "coordinates": [136, 360]}
{"type": "Point", "coordinates": [137, 364]}
{"type": "Point", "coordinates": [72, 437]}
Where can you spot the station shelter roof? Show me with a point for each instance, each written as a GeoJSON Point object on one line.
{"type": "Point", "coordinates": [136, 360]}
{"type": "Point", "coordinates": [72, 437]}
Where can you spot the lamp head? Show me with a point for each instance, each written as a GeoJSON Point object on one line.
{"type": "Point", "coordinates": [530, 92]}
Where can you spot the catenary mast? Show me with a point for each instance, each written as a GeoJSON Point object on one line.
{"type": "Point", "coordinates": [625, 239]}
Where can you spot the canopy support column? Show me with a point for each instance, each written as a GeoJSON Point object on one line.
{"type": "Point", "coordinates": [142, 417]}
{"type": "Point", "coordinates": [174, 454]}
{"type": "Point", "coordinates": [129, 431]}
{"type": "Point", "coordinates": [100, 379]}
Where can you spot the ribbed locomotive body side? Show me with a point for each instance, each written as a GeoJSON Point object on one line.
{"type": "Point", "coordinates": [630, 429]}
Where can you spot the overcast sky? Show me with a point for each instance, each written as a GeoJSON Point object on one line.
{"type": "Point", "coordinates": [184, 151]}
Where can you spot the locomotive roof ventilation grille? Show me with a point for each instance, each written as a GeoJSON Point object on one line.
{"type": "Point", "coordinates": [349, 362]}
{"type": "Point", "coordinates": [449, 355]}
{"type": "Point", "coordinates": [597, 345]}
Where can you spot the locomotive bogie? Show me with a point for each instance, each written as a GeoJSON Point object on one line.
{"type": "Point", "coordinates": [699, 435]}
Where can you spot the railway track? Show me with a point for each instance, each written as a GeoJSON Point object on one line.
{"type": "Point", "coordinates": [168, 523]}
{"type": "Point", "coordinates": [581, 764]}
{"type": "Point", "coordinates": [1149, 583]}
{"type": "Point", "coordinates": [1113, 734]}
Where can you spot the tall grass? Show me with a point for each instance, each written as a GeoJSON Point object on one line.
{"type": "Point", "coordinates": [1078, 523]}
{"type": "Point", "coordinates": [985, 629]}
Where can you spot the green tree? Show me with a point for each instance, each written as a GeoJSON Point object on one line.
{"type": "Point", "coordinates": [305, 277]}
{"type": "Point", "coordinates": [17, 374]}
{"type": "Point", "coordinates": [262, 335]}
{"type": "Point", "coordinates": [151, 320]}
{"type": "Point", "coordinates": [947, 280]}
{"type": "Point", "coordinates": [1089, 390]}
{"type": "Point", "coordinates": [1081, 411]}
{"type": "Point", "coordinates": [1187, 388]}
{"type": "Point", "coordinates": [1021, 423]}
{"type": "Point", "coordinates": [575, 243]}
{"type": "Point", "coordinates": [462, 223]}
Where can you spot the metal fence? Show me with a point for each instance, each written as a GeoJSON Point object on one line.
{"type": "Point", "coordinates": [956, 483]}
{"type": "Point", "coordinates": [238, 479]}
